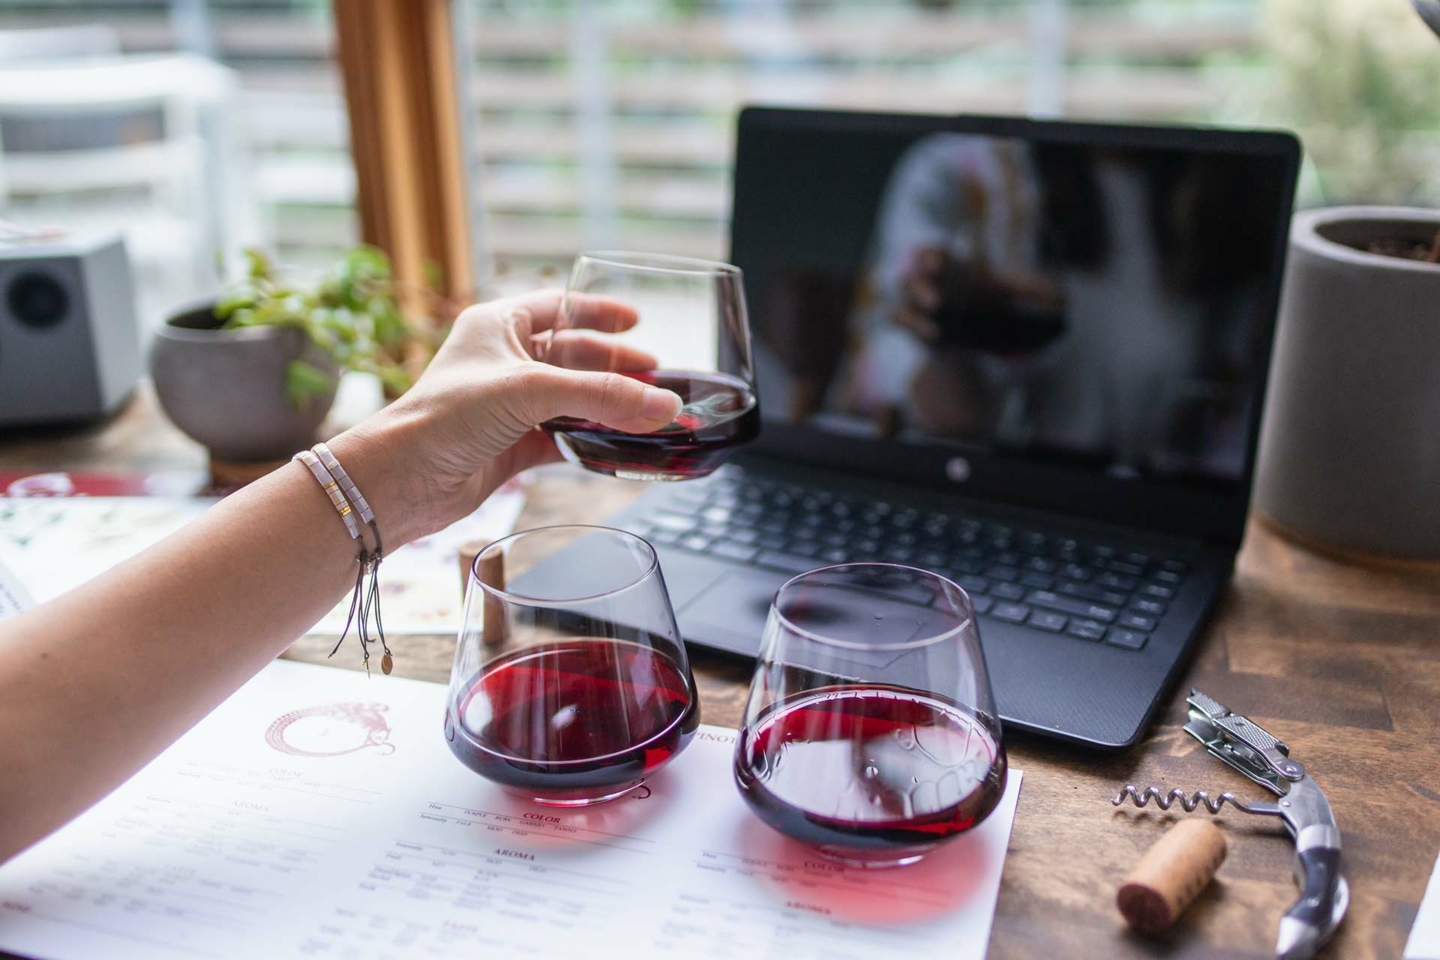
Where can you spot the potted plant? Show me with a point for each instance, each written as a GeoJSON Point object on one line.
{"type": "Point", "coordinates": [252, 374]}
{"type": "Point", "coordinates": [1350, 454]}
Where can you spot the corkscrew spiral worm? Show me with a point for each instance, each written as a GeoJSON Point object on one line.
{"type": "Point", "coordinates": [1187, 800]}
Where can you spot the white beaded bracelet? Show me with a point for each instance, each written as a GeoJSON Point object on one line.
{"type": "Point", "coordinates": [338, 472]}
{"type": "Point", "coordinates": [365, 601]}
{"type": "Point", "coordinates": [331, 487]}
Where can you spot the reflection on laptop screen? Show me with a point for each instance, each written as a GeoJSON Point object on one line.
{"type": "Point", "coordinates": [1089, 305]}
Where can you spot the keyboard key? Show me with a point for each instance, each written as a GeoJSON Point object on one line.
{"type": "Point", "coordinates": [1102, 551]}
{"type": "Point", "coordinates": [786, 562]}
{"type": "Point", "coordinates": [773, 541]}
{"type": "Point", "coordinates": [1040, 565]}
{"type": "Point", "coordinates": [1174, 566]}
{"type": "Point", "coordinates": [1158, 591]}
{"type": "Point", "coordinates": [1137, 558]}
{"type": "Point", "coordinates": [663, 537]}
{"type": "Point", "coordinates": [1007, 591]}
{"type": "Point", "coordinates": [1010, 612]}
{"type": "Point", "coordinates": [742, 535]}
{"type": "Point", "coordinates": [1007, 558]}
{"type": "Point", "coordinates": [834, 555]}
{"type": "Point", "coordinates": [1117, 581]}
{"type": "Point", "coordinates": [1166, 576]}
{"type": "Point", "coordinates": [672, 521]}
{"type": "Point", "coordinates": [1050, 600]}
{"type": "Point", "coordinates": [1073, 571]}
{"type": "Point", "coordinates": [1053, 622]}
{"type": "Point", "coordinates": [1037, 580]}
{"type": "Point", "coordinates": [1088, 591]}
{"type": "Point", "coordinates": [734, 551]}
{"type": "Point", "coordinates": [973, 584]}
{"type": "Point", "coordinates": [1134, 621]}
{"type": "Point", "coordinates": [716, 515]}
{"type": "Point", "coordinates": [1129, 569]}
{"type": "Point", "coordinates": [810, 549]}
{"type": "Point", "coordinates": [696, 542]}
{"type": "Point", "coordinates": [982, 604]}
{"type": "Point", "coordinates": [897, 554]}
{"type": "Point", "coordinates": [1086, 630]}
{"type": "Point", "coordinates": [1129, 639]}
{"type": "Point", "coordinates": [1151, 607]}
{"type": "Point", "coordinates": [1007, 574]}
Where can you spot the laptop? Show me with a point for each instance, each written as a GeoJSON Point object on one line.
{"type": "Point", "coordinates": [1030, 356]}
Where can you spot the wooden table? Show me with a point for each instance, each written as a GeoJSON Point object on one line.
{"type": "Point", "coordinates": [1341, 661]}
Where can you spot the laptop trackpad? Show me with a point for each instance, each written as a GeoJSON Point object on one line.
{"type": "Point", "coordinates": [731, 613]}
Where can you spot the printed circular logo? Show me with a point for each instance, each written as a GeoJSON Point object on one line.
{"type": "Point", "coordinates": [331, 730]}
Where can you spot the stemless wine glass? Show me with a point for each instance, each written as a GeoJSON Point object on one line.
{"type": "Point", "coordinates": [693, 337]}
{"type": "Point", "coordinates": [870, 732]}
{"type": "Point", "coordinates": [572, 686]}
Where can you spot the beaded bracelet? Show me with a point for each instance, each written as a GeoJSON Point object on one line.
{"type": "Point", "coordinates": [365, 599]}
{"type": "Point", "coordinates": [332, 488]}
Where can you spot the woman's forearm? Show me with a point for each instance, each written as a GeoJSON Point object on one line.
{"type": "Point", "coordinates": [96, 683]}
{"type": "Point", "coordinates": [93, 686]}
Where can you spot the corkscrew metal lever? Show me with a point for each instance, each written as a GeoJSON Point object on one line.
{"type": "Point", "coordinates": [1249, 748]}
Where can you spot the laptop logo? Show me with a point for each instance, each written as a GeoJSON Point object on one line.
{"type": "Point", "coordinates": [957, 469]}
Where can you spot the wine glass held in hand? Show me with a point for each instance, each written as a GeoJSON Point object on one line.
{"type": "Point", "coordinates": [693, 337]}
{"type": "Point", "coordinates": [578, 691]}
{"type": "Point", "coordinates": [871, 732]}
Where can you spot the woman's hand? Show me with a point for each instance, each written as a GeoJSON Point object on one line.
{"type": "Point", "coordinates": [469, 423]}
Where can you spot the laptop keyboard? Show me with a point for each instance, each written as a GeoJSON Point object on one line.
{"type": "Point", "coordinates": [1088, 590]}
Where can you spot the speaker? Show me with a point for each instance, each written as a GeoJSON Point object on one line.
{"type": "Point", "coordinates": [69, 345]}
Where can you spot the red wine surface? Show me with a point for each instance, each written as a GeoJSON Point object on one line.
{"type": "Point", "coordinates": [720, 413]}
{"type": "Point", "coordinates": [870, 769]}
{"type": "Point", "coordinates": [573, 715]}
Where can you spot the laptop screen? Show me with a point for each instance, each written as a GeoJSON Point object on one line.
{"type": "Point", "coordinates": [1047, 297]}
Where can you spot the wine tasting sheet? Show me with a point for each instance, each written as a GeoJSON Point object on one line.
{"type": "Point", "coordinates": [319, 814]}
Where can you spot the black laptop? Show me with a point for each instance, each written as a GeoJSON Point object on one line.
{"type": "Point", "coordinates": [1030, 356]}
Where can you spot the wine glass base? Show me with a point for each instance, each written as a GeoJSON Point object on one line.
{"type": "Point", "coordinates": [660, 477]}
{"type": "Point", "coordinates": [578, 798]}
{"type": "Point", "coordinates": [878, 860]}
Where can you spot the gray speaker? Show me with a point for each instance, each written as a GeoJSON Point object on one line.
{"type": "Point", "coordinates": [69, 346]}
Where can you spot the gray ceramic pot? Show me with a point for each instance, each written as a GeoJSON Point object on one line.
{"type": "Point", "coordinates": [1350, 453]}
{"type": "Point", "coordinates": [226, 388]}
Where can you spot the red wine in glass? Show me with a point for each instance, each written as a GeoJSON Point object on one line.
{"type": "Point", "coordinates": [870, 773]}
{"type": "Point", "coordinates": [587, 717]}
{"type": "Point", "coordinates": [720, 414]}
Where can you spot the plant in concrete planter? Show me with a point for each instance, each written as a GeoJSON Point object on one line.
{"type": "Point", "coordinates": [350, 313]}
{"type": "Point", "coordinates": [252, 375]}
{"type": "Point", "coordinates": [1349, 455]}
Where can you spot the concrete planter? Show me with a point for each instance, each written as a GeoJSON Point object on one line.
{"type": "Point", "coordinates": [226, 388]}
{"type": "Point", "coordinates": [1350, 451]}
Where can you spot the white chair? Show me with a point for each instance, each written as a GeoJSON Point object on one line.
{"type": "Point", "coordinates": [139, 143]}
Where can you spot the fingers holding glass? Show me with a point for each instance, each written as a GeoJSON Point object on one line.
{"type": "Point", "coordinates": [685, 331]}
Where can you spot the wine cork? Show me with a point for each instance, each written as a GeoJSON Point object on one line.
{"type": "Point", "coordinates": [491, 571]}
{"type": "Point", "coordinates": [1171, 875]}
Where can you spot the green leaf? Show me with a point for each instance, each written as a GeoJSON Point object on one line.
{"type": "Point", "coordinates": [304, 382]}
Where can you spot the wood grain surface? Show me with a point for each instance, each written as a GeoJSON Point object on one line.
{"type": "Point", "coordinates": [1340, 660]}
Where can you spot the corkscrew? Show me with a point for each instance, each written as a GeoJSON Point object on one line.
{"type": "Point", "coordinates": [1249, 748]}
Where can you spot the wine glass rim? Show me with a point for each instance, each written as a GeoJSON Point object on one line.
{"type": "Point", "coordinates": [967, 608]}
{"type": "Point", "coordinates": [660, 263]}
{"type": "Point", "coordinates": [504, 594]}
